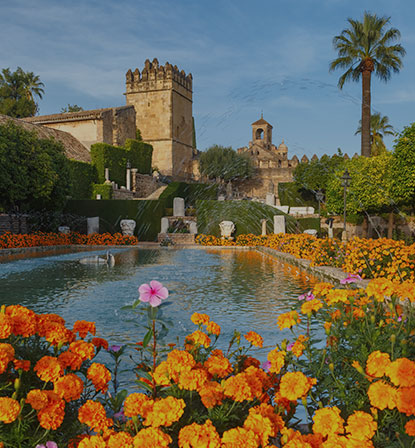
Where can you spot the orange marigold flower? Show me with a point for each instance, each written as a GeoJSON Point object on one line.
{"type": "Point", "coordinates": [238, 388]}
{"type": "Point", "coordinates": [6, 326]}
{"type": "Point", "coordinates": [161, 374]}
{"type": "Point", "coordinates": [277, 359]}
{"type": "Point", "coordinates": [100, 376]}
{"type": "Point", "coordinates": [361, 426]}
{"type": "Point", "coordinates": [100, 342]}
{"type": "Point", "coordinates": [410, 428]}
{"type": "Point", "coordinates": [240, 437]}
{"type": "Point", "coordinates": [179, 361]}
{"type": "Point", "coordinates": [211, 394]}
{"type": "Point", "coordinates": [48, 368]}
{"type": "Point", "coordinates": [213, 328]}
{"type": "Point", "coordinates": [295, 385]}
{"type": "Point", "coordinates": [200, 318]}
{"type": "Point", "coordinates": [120, 439]}
{"type": "Point", "coordinates": [261, 426]}
{"type": "Point", "coordinates": [24, 320]}
{"type": "Point", "coordinates": [218, 365]}
{"type": "Point", "coordinates": [165, 412]}
{"type": "Point", "coordinates": [382, 395]}
{"type": "Point", "coordinates": [250, 361]}
{"type": "Point", "coordinates": [6, 356]}
{"type": "Point", "coordinates": [402, 372]}
{"type": "Point", "coordinates": [93, 414]}
{"type": "Point", "coordinates": [254, 338]}
{"type": "Point", "coordinates": [84, 349]}
{"type": "Point", "coordinates": [298, 347]}
{"type": "Point", "coordinates": [69, 387]}
{"type": "Point", "coordinates": [337, 295]}
{"type": "Point", "coordinates": [311, 305]}
{"type": "Point", "coordinates": [199, 436]}
{"type": "Point", "coordinates": [136, 404]}
{"type": "Point", "coordinates": [150, 438]}
{"type": "Point", "coordinates": [70, 359]}
{"type": "Point", "coordinates": [327, 421]}
{"type": "Point", "coordinates": [92, 442]}
{"type": "Point", "coordinates": [56, 333]}
{"type": "Point", "coordinates": [82, 327]}
{"type": "Point", "coordinates": [288, 320]}
{"type": "Point", "coordinates": [51, 416]}
{"type": "Point", "coordinates": [199, 338]}
{"type": "Point", "coordinates": [37, 398]}
{"type": "Point", "coordinates": [21, 364]}
{"type": "Point", "coordinates": [405, 400]}
{"type": "Point", "coordinates": [298, 443]}
{"type": "Point", "coordinates": [193, 379]}
{"type": "Point", "coordinates": [321, 289]}
{"type": "Point", "coordinates": [9, 409]}
{"type": "Point", "coordinates": [377, 364]}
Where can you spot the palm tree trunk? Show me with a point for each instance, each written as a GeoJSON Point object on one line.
{"type": "Point", "coordinates": [390, 225]}
{"type": "Point", "coordinates": [366, 74]}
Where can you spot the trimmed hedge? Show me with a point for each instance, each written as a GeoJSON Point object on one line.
{"type": "Point", "coordinates": [82, 176]}
{"type": "Point", "coordinates": [147, 215]}
{"type": "Point", "coordinates": [289, 194]}
{"type": "Point", "coordinates": [189, 192]}
{"type": "Point", "coordinates": [115, 159]}
{"type": "Point", "coordinates": [105, 190]}
{"type": "Point", "coordinates": [246, 215]}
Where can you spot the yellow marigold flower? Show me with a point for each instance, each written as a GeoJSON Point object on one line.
{"type": "Point", "coordinates": [92, 442]}
{"type": "Point", "coordinates": [24, 320]}
{"type": "Point", "coordinates": [311, 305]}
{"type": "Point", "coordinates": [193, 379]}
{"type": "Point", "coordinates": [335, 441]}
{"type": "Point", "coordinates": [321, 289]}
{"type": "Point", "coordinates": [240, 437]}
{"type": "Point", "coordinates": [295, 385]}
{"type": "Point", "coordinates": [85, 350]}
{"type": "Point", "coordinates": [69, 387]}
{"type": "Point", "coordinates": [161, 374]}
{"type": "Point", "coordinates": [200, 318]}
{"type": "Point", "coordinates": [361, 426]}
{"type": "Point", "coordinates": [120, 439]}
{"type": "Point", "coordinates": [410, 428]}
{"type": "Point", "coordinates": [213, 328]}
{"type": "Point", "coordinates": [254, 338]}
{"type": "Point", "coordinates": [137, 404]}
{"type": "Point", "coordinates": [100, 376]}
{"type": "Point", "coordinates": [268, 411]}
{"type": "Point", "coordinates": [402, 372]}
{"type": "Point", "coordinates": [277, 360]}
{"type": "Point", "coordinates": [288, 320]}
{"type": "Point", "coordinates": [6, 326]}
{"type": "Point", "coordinates": [211, 394]}
{"type": "Point", "coordinates": [218, 365]}
{"type": "Point", "coordinates": [382, 395]}
{"type": "Point", "coordinates": [9, 409]}
{"type": "Point", "coordinates": [199, 338]}
{"type": "Point", "coordinates": [337, 295]}
{"type": "Point", "coordinates": [179, 361]}
{"type": "Point", "coordinates": [261, 426]}
{"type": "Point", "coordinates": [82, 327]}
{"type": "Point", "coordinates": [405, 400]}
{"type": "Point", "coordinates": [48, 368]}
{"type": "Point", "coordinates": [377, 364]}
{"type": "Point", "coordinates": [92, 413]}
{"type": "Point", "coordinates": [151, 438]}
{"type": "Point", "coordinates": [297, 443]}
{"type": "Point", "coordinates": [165, 412]}
{"type": "Point", "coordinates": [327, 421]}
{"type": "Point", "coordinates": [199, 436]}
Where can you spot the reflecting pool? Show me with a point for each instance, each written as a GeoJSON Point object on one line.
{"type": "Point", "coordinates": [243, 290]}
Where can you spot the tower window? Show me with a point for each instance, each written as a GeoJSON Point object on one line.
{"type": "Point", "coordinates": [259, 135]}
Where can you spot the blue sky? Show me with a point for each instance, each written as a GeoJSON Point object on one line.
{"type": "Point", "coordinates": [245, 57]}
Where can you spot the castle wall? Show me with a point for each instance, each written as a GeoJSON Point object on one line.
{"type": "Point", "coordinates": [86, 131]}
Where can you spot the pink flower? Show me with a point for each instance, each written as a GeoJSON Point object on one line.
{"type": "Point", "coordinates": [308, 296]}
{"type": "Point", "coordinates": [351, 278]}
{"type": "Point", "coordinates": [153, 293]}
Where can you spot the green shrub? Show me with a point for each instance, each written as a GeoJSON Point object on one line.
{"type": "Point", "coordinates": [246, 215]}
{"type": "Point", "coordinates": [189, 192]}
{"type": "Point", "coordinates": [105, 190]}
{"type": "Point", "coordinates": [308, 223]}
{"type": "Point", "coordinates": [140, 155]}
{"type": "Point", "coordinates": [147, 215]}
{"type": "Point", "coordinates": [289, 194]}
{"type": "Point", "coordinates": [82, 176]}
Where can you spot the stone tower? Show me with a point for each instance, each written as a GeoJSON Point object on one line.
{"type": "Point", "coordinates": [162, 98]}
{"type": "Point", "coordinates": [262, 133]}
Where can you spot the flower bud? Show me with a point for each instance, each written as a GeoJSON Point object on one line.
{"type": "Point", "coordinates": [16, 384]}
{"type": "Point", "coordinates": [393, 338]}
{"type": "Point", "coordinates": [284, 344]}
{"type": "Point", "coordinates": [331, 367]}
{"type": "Point", "coordinates": [372, 319]}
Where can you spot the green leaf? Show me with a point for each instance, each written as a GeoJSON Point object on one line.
{"type": "Point", "coordinates": [144, 385]}
{"type": "Point", "coordinates": [147, 337]}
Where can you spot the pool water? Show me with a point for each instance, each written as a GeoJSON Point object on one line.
{"type": "Point", "coordinates": [243, 290]}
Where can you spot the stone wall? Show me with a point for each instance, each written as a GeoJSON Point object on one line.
{"type": "Point", "coordinates": [13, 223]}
{"type": "Point", "coordinates": [145, 185]}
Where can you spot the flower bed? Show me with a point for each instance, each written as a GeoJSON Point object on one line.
{"type": "Point", "coordinates": [12, 240]}
{"type": "Point", "coordinates": [358, 387]}
{"type": "Point", "coordinates": [382, 258]}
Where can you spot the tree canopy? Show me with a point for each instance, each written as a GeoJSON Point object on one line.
{"type": "Point", "coordinates": [363, 48]}
{"type": "Point", "coordinates": [379, 126]}
{"type": "Point", "coordinates": [71, 108]}
{"type": "Point", "coordinates": [17, 93]}
{"type": "Point", "coordinates": [219, 162]}
{"type": "Point", "coordinates": [33, 172]}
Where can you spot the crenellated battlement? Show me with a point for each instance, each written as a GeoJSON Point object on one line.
{"type": "Point", "coordinates": [155, 76]}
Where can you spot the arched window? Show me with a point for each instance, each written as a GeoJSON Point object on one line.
{"type": "Point", "coordinates": [259, 135]}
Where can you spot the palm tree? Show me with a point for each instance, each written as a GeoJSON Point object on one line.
{"type": "Point", "coordinates": [364, 48]}
{"type": "Point", "coordinates": [32, 85]}
{"type": "Point", "coordinates": [379, 126]}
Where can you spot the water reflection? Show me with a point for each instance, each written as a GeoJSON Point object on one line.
{"type": "Point", "coordinates": [244, 290]}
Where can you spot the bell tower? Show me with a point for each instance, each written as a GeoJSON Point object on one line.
{"type": "Point", "coordinates": [262, 133]}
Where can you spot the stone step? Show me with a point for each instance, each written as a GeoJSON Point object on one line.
{"type": "Point", "coordinates": [156, 194]}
